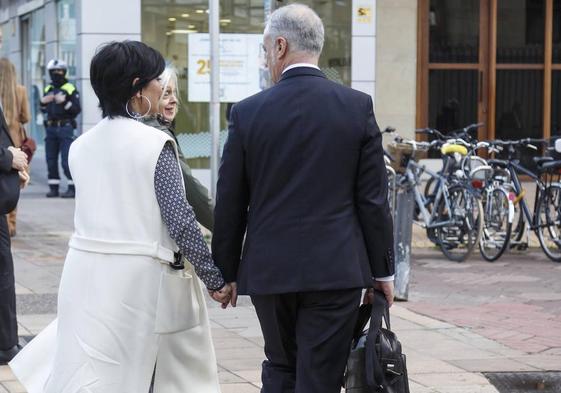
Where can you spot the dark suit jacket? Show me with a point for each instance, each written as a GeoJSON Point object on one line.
{"type": "Point", "coordinates": [9, 179]}
{"type": "Point", "coordinates": [303, 174]}
{"type": "Point", "coordinates": [6, 156]}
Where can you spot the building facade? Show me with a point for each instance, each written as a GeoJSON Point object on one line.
{"type": "Point", "coordinates": [371, 45]}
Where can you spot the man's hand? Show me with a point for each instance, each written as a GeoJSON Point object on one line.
{"type": "Point", "coordinates": [234, 300]}
{"type": "Point", "coordinates": [386, 287]}
{"type": "Point", "coordinates": [60, 98]}
{"type": "Point", "coordinates": [19, 161]}
{"type": "Point", "coordinates": [47, 99]}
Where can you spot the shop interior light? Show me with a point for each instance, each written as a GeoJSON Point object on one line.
{"type": "Point", "coordinates": [172, 19]}
{"type": "Point", "coordinates": [169, 33]}
{"type": "Point", "coordinates": [185, 15]}
{"type": "Point", "coordinates": [191, 26]}
{"type": "Point", "coordinates": [225, 20]}
{"type": "Point", "coordinates": [184, 31]}
{"type": "Point", "coordinates": [200, 11]}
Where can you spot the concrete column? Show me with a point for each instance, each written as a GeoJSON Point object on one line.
{"type": "Point", "coordinates": [99, 22]}
{"type": "Point", "coordinates": [51, 33]}
{"type": "Point", "coordinates": [363, 60]}
{"type": "Point", "coordinates": [396, 65]}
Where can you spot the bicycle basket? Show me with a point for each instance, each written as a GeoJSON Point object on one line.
{"type": "Point", "coordinates": [403, 152]}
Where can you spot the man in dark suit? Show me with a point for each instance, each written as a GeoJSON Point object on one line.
{"type": "Point", "coordinates": [303, 179]}
{"type": "Point", "coordinates": [10, 159]}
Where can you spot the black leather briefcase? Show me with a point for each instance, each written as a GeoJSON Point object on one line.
{"type": "Point", "coordinates": [376, 362]}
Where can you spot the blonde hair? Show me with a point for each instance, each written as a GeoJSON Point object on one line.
{"type": "Point", "coordinates": [170, 76]}
{"type": "Point", "coordinates": [8, 95]}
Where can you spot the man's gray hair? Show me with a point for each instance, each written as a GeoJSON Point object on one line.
{"type": "Point", "coordinates": [300, 26]}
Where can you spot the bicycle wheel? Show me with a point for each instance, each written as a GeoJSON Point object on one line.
{"type": "Point", "coordinates": [496, 228]}
{"type": "Point", "coordinates": [549, 222]}
{"type": "Point", "coordinates": [464, 218]}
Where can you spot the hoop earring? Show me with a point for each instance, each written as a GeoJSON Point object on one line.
{"type": "Point", "coordinates": [138, 116]}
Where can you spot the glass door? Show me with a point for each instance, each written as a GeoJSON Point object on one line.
{"type": "Point", "coordinates": [519, 94]}
{"type": "Point", "coordinates": [456, 73]}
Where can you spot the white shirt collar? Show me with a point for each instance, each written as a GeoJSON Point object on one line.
{"type": "Point", "coordinates": [295, 65]}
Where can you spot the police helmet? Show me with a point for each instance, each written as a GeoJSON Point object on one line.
{"type": "Point", "coordinates": [56, 64]}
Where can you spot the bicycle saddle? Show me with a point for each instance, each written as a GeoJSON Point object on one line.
{"type": "Point", "coordinates": [549, 166]}
{"type": "Point", "coordinates": [541, 160]}
{"type": "Point", "coordinates": [449, 148]}
{"type": "Point", "coordinates": [499, 163]}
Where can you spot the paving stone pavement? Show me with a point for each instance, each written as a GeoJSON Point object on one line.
{"type": "Point", "coordinates": [461, 320]}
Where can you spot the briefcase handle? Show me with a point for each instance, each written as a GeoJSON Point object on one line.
{"type": "Point", "coordinates": [380, 312]}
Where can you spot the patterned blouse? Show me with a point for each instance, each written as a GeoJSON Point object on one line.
{"type": "Point", "coordinates": [180, 219]}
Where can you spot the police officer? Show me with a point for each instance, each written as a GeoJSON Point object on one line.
{"type": "Point", "coordinates": [61, 104]}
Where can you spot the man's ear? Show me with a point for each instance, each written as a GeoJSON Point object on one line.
{"type": "Point", "coordinates": [282, 47]}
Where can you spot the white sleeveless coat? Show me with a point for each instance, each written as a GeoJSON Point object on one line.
{"type": "Point", "coordinates": [121, 308]}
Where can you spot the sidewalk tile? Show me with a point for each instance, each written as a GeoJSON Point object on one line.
{"type": "Point", "coordinates": [492, 365]}
{"type": "Point", "coordinates": [239, 388]}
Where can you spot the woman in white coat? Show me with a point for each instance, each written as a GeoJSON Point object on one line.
{"type": "Point", "coordinates": [130, 313]}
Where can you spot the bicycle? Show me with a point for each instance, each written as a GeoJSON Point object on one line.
{"type": "Point", "coordinates": [545, 220]}
{"type": "Point", "coordinates": [448, 223]}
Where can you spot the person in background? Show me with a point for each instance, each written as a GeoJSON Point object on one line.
{"type": "Point", "coordinates": [11, 158]}
{"type": "Point", "coordinates": [61, 105]}
{"type": "Point", "coordinates": [16, 112]}
{"type": "Point", "coordinates": [197, 194]}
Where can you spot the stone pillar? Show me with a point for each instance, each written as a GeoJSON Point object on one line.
{"type": "Point", "coordinates": [51, 34]}
{"type": "Point", "coordinates": [396, 65]}
{"type": "Point", "coordinates": [99, 22]}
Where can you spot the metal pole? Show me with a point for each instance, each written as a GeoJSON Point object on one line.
{"type": "Point", "coordinates": [214, 107]}
{"type": "Point", "coordinates": [403, 233]}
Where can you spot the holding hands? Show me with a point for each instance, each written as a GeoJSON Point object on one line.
{"type": "Point", "coordinates": [19, 161]}
{"type": "Point", "coordinates": [228, 294]}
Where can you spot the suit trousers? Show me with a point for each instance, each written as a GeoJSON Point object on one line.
{"type": "Point", "coordinates": [8, 322]}
{"type": "Point", "coordinates": [307, 339]}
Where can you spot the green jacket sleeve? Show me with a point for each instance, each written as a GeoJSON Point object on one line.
{"type": "Point", "coordinates": [198, 197]}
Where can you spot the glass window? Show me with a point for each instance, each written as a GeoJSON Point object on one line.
{"type": "Point", "coordinates": [166, 28]}
{"type": "Point", "coordinates": [521, 31]}
{"type": "Point", "coordinates": [66, 16]}
{"type": "Point", "coordinates": [557, 31]}
{"type": "Point", "coordinates": [519, 104]}
{"type": "Point", "coordinates": [5, 39]}
{"type": "Point", "coordinates": [454, 31]}
{"type": "Point", "coordinates": [335, 59]}
{"type": "Point", "coordinates": [33, 48]}
{"type": "Point", "coordinates": [453, 99]}
{"type": "Point", "coordinates": [556, 103]}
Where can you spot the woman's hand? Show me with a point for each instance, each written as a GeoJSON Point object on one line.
{"type": "Point", "coordinates": [23, 179]}
{"type": "Point", "coordinates": [222, 296]}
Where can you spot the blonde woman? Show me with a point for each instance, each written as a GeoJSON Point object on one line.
{"type": "Point", "coordinates": [16, 110]}
{"type": "Point", "coordinates": [197, 194]}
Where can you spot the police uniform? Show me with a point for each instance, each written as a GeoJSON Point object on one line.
{"type": "Point", "coordinates": [60, 124]}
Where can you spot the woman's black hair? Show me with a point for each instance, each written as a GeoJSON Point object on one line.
{"type": "Point", "coordinates": [113, 69]}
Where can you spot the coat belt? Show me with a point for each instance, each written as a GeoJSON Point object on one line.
{"type": "Point", "coordinates": [120, 247]}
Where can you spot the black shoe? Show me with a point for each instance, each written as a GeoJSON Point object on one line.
{"type": "Point", "coordinates": [9, 354]}
{"type": "Point", "coordinates": [53, 193]}
{"type": "Point", "coordinates": [70, 193]}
